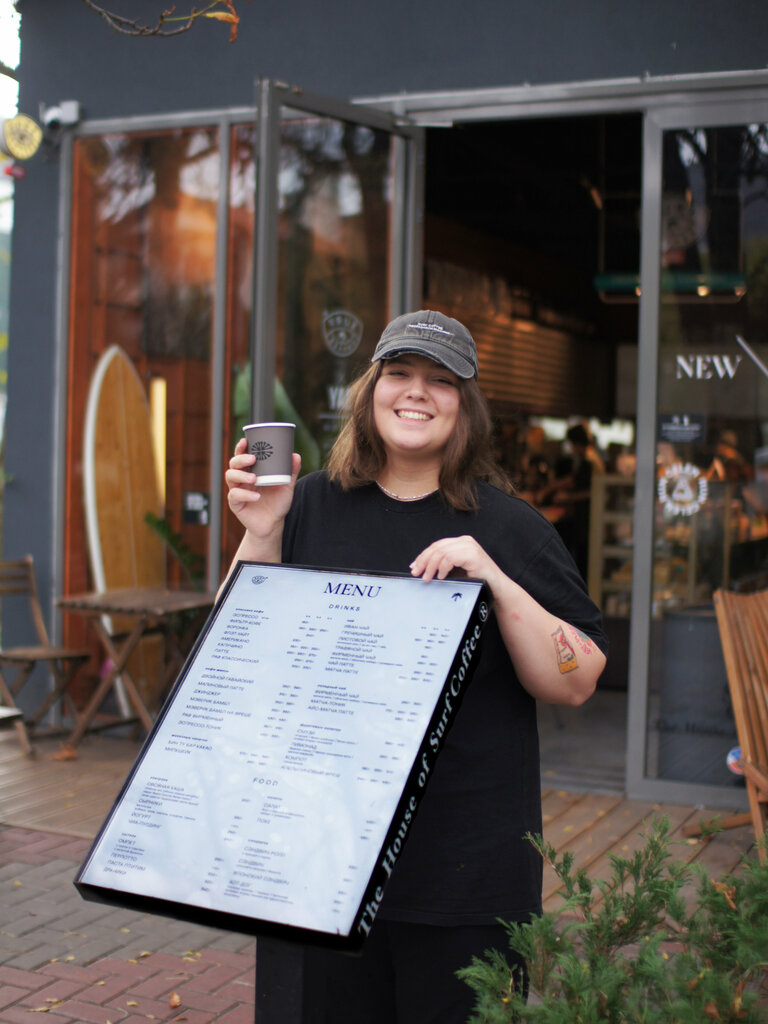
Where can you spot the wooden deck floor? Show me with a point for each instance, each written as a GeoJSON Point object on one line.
{"type": "Point", "coordinates": [72, 797]}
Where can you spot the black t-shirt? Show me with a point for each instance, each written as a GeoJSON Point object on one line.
{"type": "Point", "coordinates": [466, 860]}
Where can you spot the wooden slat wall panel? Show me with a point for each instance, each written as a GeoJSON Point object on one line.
{"type": "Point", "coordinates": [526, 364]}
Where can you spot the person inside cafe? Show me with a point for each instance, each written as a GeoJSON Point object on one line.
{"type": "Point", "coordinates": [535, 471]}
{"type": "Point", "coordinates": [570, 490]}
{"type": "Point", "coordinates": [410, 487]}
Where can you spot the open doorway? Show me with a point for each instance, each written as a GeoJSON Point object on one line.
{"type": "Point", "coordinates": [532, 238]}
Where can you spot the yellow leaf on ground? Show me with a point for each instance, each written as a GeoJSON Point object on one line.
{"type": "Point", "coordinates": [66, 753]}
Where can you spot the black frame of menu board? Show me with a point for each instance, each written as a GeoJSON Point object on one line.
{"type": "Point", "coordinates": [341, 633]}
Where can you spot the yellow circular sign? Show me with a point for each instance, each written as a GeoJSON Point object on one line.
{"type": "Point", "coordinates": [20, 137]}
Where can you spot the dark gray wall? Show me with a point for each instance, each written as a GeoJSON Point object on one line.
{"type": "Point", "coordinates": [337, 47]}
{"type": "Point", "coordinates": [369, 46]}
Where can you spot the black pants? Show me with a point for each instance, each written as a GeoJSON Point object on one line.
{"type": "Point", "coordinates": [405, 975]}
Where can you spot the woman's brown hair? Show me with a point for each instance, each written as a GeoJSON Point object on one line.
{"type": "Point", "coordinates": [358, 456]}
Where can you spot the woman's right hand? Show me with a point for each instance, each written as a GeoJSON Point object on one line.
{"type": "Point", "coordinates": [261, 510]}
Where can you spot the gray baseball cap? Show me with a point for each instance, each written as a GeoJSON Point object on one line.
{"type": "Point", "coordinates": [430, 334]}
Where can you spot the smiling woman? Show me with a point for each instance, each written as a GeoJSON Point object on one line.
{"type": "Point", "coordinates": [415, 409]}
{"type": "Point", "coordinates": [411, 488]}
{"type": "Point", "coordinates": [423, 363]}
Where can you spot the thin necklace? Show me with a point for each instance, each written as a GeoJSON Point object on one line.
{"type": "Point", "coordinates": [399, 497]}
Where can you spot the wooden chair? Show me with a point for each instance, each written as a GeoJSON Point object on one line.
{"type": "Point", "coordinates": [742, 620]}
{"type": "Point", "coordinates": [17, 579]}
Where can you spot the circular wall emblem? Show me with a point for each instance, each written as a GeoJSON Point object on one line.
{"type": "Point", "coordinates": [682, 489]}
{"type": "Point", "coordinates": [262, 450]}
{"type": "Point", "coordinates": [342, 332]}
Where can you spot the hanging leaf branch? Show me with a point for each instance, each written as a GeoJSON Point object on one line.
{"type": "Point", "coordinates": [8, 71]}
{"type": "Point", "coordinates": [169, 23]}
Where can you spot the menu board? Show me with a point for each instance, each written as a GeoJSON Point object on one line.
{"type": "Point", "coordinates": [280, 782]}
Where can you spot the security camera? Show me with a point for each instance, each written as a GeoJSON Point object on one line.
{"type": "Point", "coordinates": [61, 115]}
{"type": "Point", "coordinates": [51, 118]}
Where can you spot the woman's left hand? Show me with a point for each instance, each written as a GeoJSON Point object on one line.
{"type": "Point", "coordinates": [444, 556]}
{"type": "Point", "coordinates": [553, 660]}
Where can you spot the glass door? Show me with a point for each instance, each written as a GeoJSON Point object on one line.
{"type": "Point", "coordinates": [704, 355]}
{"type": "Point", "coordinates": [336, 254]}
{"type": "Point", "coordinates": [241, 264]}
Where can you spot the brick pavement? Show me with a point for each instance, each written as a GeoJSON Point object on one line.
{"type": "Point", "coordinates": [86, 963]}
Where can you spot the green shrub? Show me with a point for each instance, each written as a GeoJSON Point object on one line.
{"type": "Point", "coordinates": [658, 943]}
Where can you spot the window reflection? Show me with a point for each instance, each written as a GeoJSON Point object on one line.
{"type": "Point", "coordinates": [712, 435]}
{"type": "Point", "coordinates": [143, 256]}
{"type": "Point", "coordinates": [334, 186]}
{"type": "Point", "coordinates": [334, 237]}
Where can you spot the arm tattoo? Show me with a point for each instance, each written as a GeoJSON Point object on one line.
{"type": "Point", "coordinates": [583, 641]}
{"type": "Point", "coordinates": [564, 652]}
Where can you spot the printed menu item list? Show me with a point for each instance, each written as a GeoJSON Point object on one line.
{"type": "Point", "coordinates": [269, 783]}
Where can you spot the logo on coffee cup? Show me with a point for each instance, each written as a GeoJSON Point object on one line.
{"type": "Point", "coordinates": [262, 450]}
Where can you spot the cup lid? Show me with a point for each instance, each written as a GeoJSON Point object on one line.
{"type": "Point", "coordinates": [249, 425]}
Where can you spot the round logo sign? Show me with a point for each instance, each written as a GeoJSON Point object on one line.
{"type": "Point", "coordinates": [682, 489]}
{"type": "Point", "coordinates": [342, 332]}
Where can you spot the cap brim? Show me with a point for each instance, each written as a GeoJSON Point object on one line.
{"type": "Point", "coordinates": [442, 354]}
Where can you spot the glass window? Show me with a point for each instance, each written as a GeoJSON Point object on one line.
{"type": "Point", "coordinates": [334, 257]}
{"type": "Point", "coordinates": [334, 204]}
{"type": "Point", "coordinates": [711, 523]}
{"type": "Point", "coordinates": [143, 260]}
